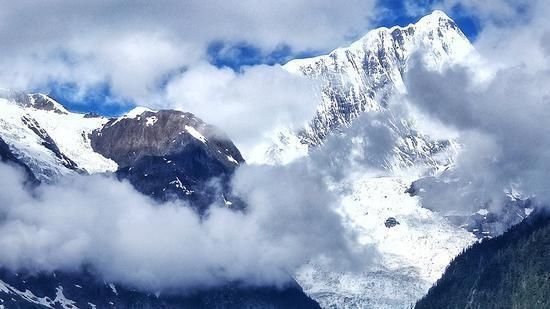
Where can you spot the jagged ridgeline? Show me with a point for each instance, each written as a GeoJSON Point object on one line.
{"type": "Point", "coordinates": [509, 271]}
{"type": "Point", "coordinates": [362, 77]}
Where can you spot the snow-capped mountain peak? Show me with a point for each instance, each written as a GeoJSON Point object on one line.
{"type": "Point", "coordinates": [415, 243]}
{"type": "Point", "coordinates": [365, 76]}
{"type": "Point", "coordinates": [436, 29]}
{"type": "Point", "coordinates": [53, 141]}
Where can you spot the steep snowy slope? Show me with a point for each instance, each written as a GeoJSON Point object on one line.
{"type": "Point", "coordinates": [32, 144]}
{"type": "Point", "coordinates": [362, 76]}
{"type": "Point", "coordinates": [7, 156]}
{"type": "Point", "coordinates": [71, 132]}
{"type": "Point", "coordinates": [49, 139]}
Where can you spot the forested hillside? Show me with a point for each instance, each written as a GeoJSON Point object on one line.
{"type": "Point", "coordinates": [509, 271]}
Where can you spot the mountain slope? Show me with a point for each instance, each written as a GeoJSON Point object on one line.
{"type": "Point", "coordinates": [357, 84]}
{"type": "Point", "coordinates": [176, 151]}
{"type": "Point", "coordinates": [509, 271]}
{"type": "Point", "coordinates": [83, 290]}
{"type": "Point", "coordinates": [7, 156]}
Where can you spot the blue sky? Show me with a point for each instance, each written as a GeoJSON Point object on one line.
{"type": "Point", "coordinates": [236, 55]}
{"type": "Point", "coordinates": [245, 54]}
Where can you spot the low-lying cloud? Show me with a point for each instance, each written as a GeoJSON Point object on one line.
{"type": "Point", "coordinates": [130, 239]}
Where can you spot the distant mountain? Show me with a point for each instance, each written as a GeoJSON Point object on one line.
{"type": "Point", "coordinates": [164, 154]}
{"type": "Point", "coordinates": [170, 155]}
{"type": "Point", "coordinates": [509, 271]}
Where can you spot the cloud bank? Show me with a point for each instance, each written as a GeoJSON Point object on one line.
{"type": "Point", "coordinates": [155, 54]}
{"type": "Point", "coordinates": [128, 238]}
{"type": "Point", "coordinates": [501, 117]}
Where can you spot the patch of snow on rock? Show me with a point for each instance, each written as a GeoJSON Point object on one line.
{"type": "Point", "coordinates": [196, 134]}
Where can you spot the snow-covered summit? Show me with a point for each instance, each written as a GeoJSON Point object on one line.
{"type": "Point", "coordinates": [365, 76]}
{"type": "Point", "coordinates": [435, 30]}
{"type": "Point", "coordinates": [362, 76]}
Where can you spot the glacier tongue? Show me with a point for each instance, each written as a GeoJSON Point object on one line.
{"type": "Point", "coordinates": [412, 254]}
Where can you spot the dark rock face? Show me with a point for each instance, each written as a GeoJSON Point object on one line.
{"type": "Point", "coordinates": [391, 222]}
{"type": "Point", "coordinates": [162, 133]}
{"type": "Point", "coordinates": [171, 155]}
{"type": "Point", "coordinates": [83, 290]}
{"type": "Point", "coordinates": [189, 175]}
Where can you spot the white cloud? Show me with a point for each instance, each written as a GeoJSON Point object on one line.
{"type": "Point", "coordinates": [130, 239]}
{"type": "Point", "coordinates": [499, 116]}
{"type": "Point", "coordinates": [502, 127]}
{"type": "Point", "coordinates": [138, 47]}
{"type": "Point", "coordinates": [250, 106]}
{"type": "Point", "coordinates": [131, 45]}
